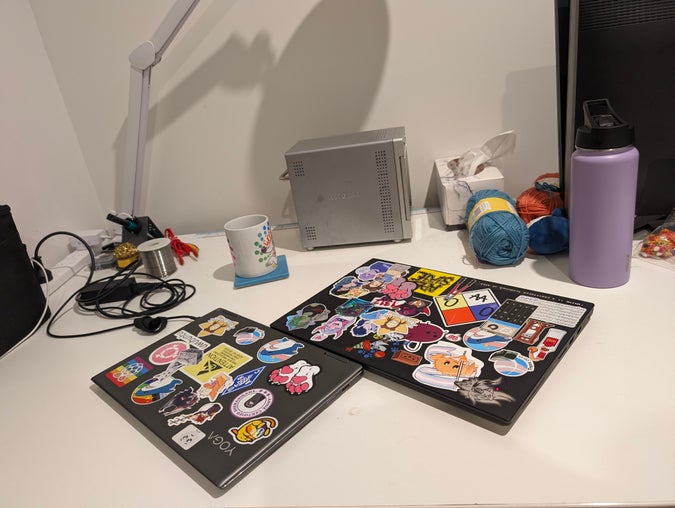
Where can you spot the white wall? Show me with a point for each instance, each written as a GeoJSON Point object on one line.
{"type": "Point", "coordinates": [245, 80]}
{"type": "Point", "coordinates": [43, 177]}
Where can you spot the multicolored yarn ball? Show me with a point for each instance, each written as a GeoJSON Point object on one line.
{"type": "Point", "coordinates": [541, 199]}
{"type": "Point", "coordinates": [497, 234]}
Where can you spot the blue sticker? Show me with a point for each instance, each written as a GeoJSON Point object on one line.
{"type": "Point", "coordinates": [243, 380]}
{"type": "Point", "coordinates": [278, 350]}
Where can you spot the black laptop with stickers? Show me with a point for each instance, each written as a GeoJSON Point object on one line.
{"type": "Point", "coordinates": [224, 391]}
{"type": "Point", "coordinates": [484, 348]}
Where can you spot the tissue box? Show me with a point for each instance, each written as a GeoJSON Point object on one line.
{"type": "Point", "coordinates": [454, 193]}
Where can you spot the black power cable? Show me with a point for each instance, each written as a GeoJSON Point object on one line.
{"type": "Point", "coordinates": [94, 294]}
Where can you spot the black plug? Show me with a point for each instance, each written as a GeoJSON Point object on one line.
{"type": "Point", "coordinates": [105, 292]}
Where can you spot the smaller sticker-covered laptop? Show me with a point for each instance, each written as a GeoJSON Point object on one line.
{"type": "Point", "coordinates": [484, 348]}
{"type": "Point", "coordinates": [224, 391]}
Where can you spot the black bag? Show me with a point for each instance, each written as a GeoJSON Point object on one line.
{"type": "Point", "coordinates": [21, 298]}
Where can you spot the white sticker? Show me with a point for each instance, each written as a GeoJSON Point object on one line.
{"type": "Point", "coordinates": [188, 437]}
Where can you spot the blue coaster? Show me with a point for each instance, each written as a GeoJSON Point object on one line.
{"type": "Point", "coordinates": [280, 272]}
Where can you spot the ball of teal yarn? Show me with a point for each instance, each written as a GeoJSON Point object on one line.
{"type": "Point", "coordinates": [499, 237]}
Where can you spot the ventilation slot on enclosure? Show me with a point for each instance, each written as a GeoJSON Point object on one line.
{"type": "Point", "coordinates": [385, 191]}
{"type": "Point", "coordinates": [599, 14]}
{"type": "Point", "coordinates": [298, 168]}
{"type": "Point", "coordinates": [310, 233]}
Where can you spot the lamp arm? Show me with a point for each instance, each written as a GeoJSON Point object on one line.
{"type": "Point", "coordinates": [142, 59]}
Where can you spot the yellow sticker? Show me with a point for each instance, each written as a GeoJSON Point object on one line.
{"type": "Point", "coordinates": [221, 358]}
{"type": "Point", "coordinates": [216, 326]}
{"type": "Point", "coordinates": [431, 282]}
{"type": "Point", "coordinates": [489, 205]}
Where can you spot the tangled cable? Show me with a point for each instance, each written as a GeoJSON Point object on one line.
{"type": "Point", "coordinates": [101, 296]}
{"type": "Point", "coordinates": [175, 292]}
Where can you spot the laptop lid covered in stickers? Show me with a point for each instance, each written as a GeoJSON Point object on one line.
{"type": "Point", "coordinates": [224, 391]}
{"type": "Point", "coordinates": [482, 347]}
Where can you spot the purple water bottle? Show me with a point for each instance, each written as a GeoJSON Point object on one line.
{"type": "Point", "coordinates": [603, 185]}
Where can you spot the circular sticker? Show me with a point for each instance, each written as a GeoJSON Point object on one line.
{"type": "Point", "coordinates": [166, 353]}
{"type": "Point", "coordinates": [251, 403]}
{"type": "Point", "coordinates": [511, 363]}
{"type": "Point", "coordinates": [480, 340]}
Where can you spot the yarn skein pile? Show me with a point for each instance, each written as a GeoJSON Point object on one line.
{"type": "Point", "coordinates": [542, 208]}
{"type": "Point", "coordinates": [497, 234]}
{"type": "Point", "coordinates": [541, 199]}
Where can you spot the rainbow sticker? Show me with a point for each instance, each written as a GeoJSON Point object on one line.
{"type": "Point", "coordinates": [153, 390]}
{"type": "Point", "coordinates": [128, 371]}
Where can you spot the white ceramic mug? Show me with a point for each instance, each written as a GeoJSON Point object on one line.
{"type": "Point", "coordinates": [251, 245]}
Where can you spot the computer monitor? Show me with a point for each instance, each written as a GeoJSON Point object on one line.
{"type": "Point", "coordinates": [624, 51]}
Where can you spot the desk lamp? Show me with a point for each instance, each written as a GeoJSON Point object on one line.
{"type": "Point", "coordinates": [143, 59]}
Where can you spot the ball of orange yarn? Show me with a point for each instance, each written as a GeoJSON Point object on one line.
{"type": "Point", "coordinates": [540, 200]}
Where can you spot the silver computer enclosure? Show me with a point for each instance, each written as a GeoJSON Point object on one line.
{"type": "Point", "coordinates": [351, 188]}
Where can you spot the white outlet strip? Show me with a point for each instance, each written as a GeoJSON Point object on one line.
{"type": "Point", "coordinates": [67, 268]}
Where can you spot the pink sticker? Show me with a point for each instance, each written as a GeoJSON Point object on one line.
{"type": "Point", "coordinates": [167, 353]}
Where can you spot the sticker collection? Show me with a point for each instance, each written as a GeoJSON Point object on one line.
{"type": "Point", "coordinates": [211, 371]}
{"type": "Point", "coordinates": [451, 333]}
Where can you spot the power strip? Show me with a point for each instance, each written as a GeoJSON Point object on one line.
{"type": "Point", "coordinates": [67, 268]}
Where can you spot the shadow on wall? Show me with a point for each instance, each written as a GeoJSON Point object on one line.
{"type": "Point", "coordinates": [245, 66]}
{"type": "Point", "coordinates": [323, 83]}
{"type": "Point", "coordinates": [536, 127]}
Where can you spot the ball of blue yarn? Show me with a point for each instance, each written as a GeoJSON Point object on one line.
{"type": "Point", "coordinates": [499, 237]}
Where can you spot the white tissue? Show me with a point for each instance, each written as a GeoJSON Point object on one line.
{"type": "Point", "coordinates": [473, 161]}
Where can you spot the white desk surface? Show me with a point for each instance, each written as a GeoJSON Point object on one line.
{"type": "Point", "coordinates": [600, 430]}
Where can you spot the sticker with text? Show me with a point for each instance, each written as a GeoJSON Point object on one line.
{"type": "Point", "coordinates": [511, 363]}
{"type": "Point", "coordinates": [432, 282]}
{"type": "Point", "coordinates": [193, 340]}
{"type": "Point", "coordinates": [244, 380]}
{"type": "Point", "coordinates": [220, 358]}
{"type": "Point", "coordinates": [466, 307]}
{"type": "Point", "coordinates": [410, 307]}
{"type": "Point", "coordinates": [251, 403]}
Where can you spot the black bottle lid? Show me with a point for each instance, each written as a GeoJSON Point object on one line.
{"type": "Point", "coordinates": [603, 129]}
